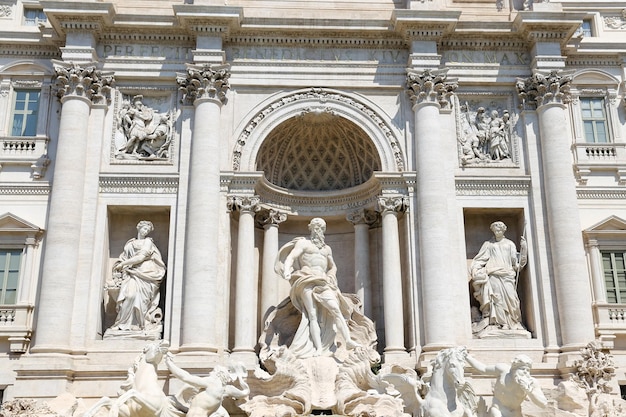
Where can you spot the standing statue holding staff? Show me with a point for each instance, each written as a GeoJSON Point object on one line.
{"type": "Point", "coordinates": [494, 273]}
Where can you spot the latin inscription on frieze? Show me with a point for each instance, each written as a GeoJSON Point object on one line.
{"type": "Point", "coordinates": [182, 53]}
{"type": "Point", "coordinates": [486, 57]}
{"type": "Point", "coordinates": [382, 56]}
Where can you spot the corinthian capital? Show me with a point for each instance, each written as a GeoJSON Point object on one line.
{"type": "Point", "coordinates": [362, 216]}
{"type": "Point", "coordinates": [244, 203]}
{"type": "Point", "coordinates": [270, 217]}
{"type": "Point", "coordinates": [87, 82]}
{"type": "Point", "coordinates": [394, 204]}
{"type": "Point", "coordinates": [543, 89]}
{"type": "Point", "coordinates": [431, 86]}
{"type": "Point", "coordinates": [204, 81]}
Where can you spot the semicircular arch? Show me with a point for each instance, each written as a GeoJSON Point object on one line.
{"type": "Point", "coordinates": [273, 112]}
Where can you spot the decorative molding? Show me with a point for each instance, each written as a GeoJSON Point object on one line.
{"type": "Point", "coordinates": [6, 10]}
{"type": "Point", "coordinates": [601, 194]}
{"type": "Point", "coordinates": [337, 40]}
{"type": "Point", "coordinates": [430, 86]}
{"type": "Point", "coordinates": [541, 89]}
{"type": "Point", "coordinates": [138, 185]}
{"type": "Point", "coordinates": [479, 186]}
{"type": "Point", "coordinates": [615, 22]}
{"type": "Point", "coordinates": [27, 83]}
{"type": "Point", "coordinates": [204, 81]}
{"type": "Point", "coordinates": [363, 216]}
{"type": "Point", "coordinates": [395, 204]}
{"type": "Point", "coordinates": [88, 82]}
{"type": "Point", "coordinates": [34, 188]}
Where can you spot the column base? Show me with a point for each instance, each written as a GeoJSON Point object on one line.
{"type": "Point", "coordinates": [63, 350]}
{"type": "Point", "coordinates": [199, 348]}
{"type": "Point", "coordinates": [248, 358]}
{"type": "Point", "coordinates": [398, 356]}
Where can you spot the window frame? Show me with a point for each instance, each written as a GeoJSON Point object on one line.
{"type": "Point", "coordinates": [40, 17]}
{"type": "Point", "coordinates": [594, 119]}
{"type": "Point", "coordinates": [619, 292]}
{"type": "Point", "coordinates": [25, 112]}
{"type": "Point", "coordinates": [4, 274]}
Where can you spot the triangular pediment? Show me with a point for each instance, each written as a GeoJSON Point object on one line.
{"type": "Point", "coordinates": [10, 223]}
{"type": "Point", "coordinates": [612, 223]}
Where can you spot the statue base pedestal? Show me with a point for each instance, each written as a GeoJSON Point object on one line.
{"type": "Point", "coordinates": [481, 331]}
{"type": "Point", "coordinates": [152, 334]}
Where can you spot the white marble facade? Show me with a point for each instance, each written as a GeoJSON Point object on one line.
{"type": "Point", "coordinates": [408, 126]}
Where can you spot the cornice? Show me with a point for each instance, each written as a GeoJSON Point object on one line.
{"type": "Point", "coordinates": [424, 25]}
{"type": "Point", "coordinates": [315, 40]}
{"type": "Point", "coordinates": [482, 42]}
{"type": "Point", "coordinates": [146, 35]}
{"type": "Point", "coordinates": [32, 51]}
{"type": "Point", "coordinates": [67, 16]}
{"type": "Point", "coordinates": [548, 26]}
{"type": "Point", "coordinates": [202, 20]}
{"type": "Point", "coordinates": [601, 193]}
{"type": "Point", "coordinates": [587, 61]}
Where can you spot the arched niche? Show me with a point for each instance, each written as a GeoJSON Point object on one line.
{"type": "Point", "coordinates": [269, 115]}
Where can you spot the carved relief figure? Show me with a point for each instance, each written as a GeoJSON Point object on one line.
{"type": "Point", "coordinates": [135, 283]}
{"type": "Point", "coordinates": [207, 393]}
{"type": "Point", "coordinates": [494, 274]}
{"type": "Point", "coordinates": [513, 385]}
{"type": "Point", "coordinates": [484, 136]}
{"type": "Point", "coordinates": [145, 134]}
{"type": "Point", "coordinates": [309, 267]}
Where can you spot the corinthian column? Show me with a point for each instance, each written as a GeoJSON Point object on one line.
{"type": "Point", "coordinates": [550, 93]}
{"type": "Point", "coordinates": [78, 87]}
{"type": "Point", "coordinates": [205, 87]}
{"type": "Point", "coordinates": [390, 208]}
{"type": "Point", "coordinates": [362, 219]}
{"type": "Point", "coordinates": [429, 91]}
{"type": "Point", "coordinates": [270, 220]}
{"type": "Point", "coordinates": [247, 286]}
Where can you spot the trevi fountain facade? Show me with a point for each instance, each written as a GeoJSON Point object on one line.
{"type": "Point", "coordinates": [284, 208]}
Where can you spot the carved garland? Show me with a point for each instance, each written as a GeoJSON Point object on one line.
{"type": "Point", "coordinates": [323, 96]}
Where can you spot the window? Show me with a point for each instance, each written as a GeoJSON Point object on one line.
{"type": "Point", "coordinates": [594, 120]}
{"type": "Point", "coordinates": [586, 28]}
{"type": "Point", "coordinates": [32, 17]}
{"type": "Point", "coordinates": [614, 265]}
{"type": "Point", "coordinates": [9, 274]}
{"type": "Point", "coordinates": [25, 111]}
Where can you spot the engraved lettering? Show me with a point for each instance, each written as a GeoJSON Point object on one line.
{"type": "Point", "coordinates": [505, 60]}
{"type": "Point", "coordinates": [467, 56]}
{"type": "Point", "coordinates": [107, 50]}
{"type": "Point", "coordinates": [490, 57]}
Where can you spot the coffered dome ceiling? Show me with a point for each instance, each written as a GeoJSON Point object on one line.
{"type": "Point", "coordinates": [317, 151]}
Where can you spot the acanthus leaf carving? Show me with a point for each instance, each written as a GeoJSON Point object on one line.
{"type": "Point", "coordinates": [541, 89]}
{"type": "Point", "coordinates": [83, 81]}
{"type": "Point", "coordinates": [430, 86]}
{"type": "Point", "coordinates": [204, 81]}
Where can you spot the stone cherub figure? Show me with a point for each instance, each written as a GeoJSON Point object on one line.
{"type": "Point", "coordinates": [309, 267]}
{"type": "Point", "coordinates": [494, 274]}
{"type": "Point", "coordinates": [513, 385]}
{"type": "Point", "coordinates": [136, 279]}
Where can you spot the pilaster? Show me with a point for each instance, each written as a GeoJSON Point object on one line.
{"type": "Point", "coordinates": [362, 219]}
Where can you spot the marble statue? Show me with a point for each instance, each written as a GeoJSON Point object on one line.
{"type": "Point", "coordinates": [137, 276]}
{"type": "Point", "coordinates": [513, 385]}
{"type": "Point", "coordinates": [494, 274]}
{"type": "Point", "coordinates": [309, 267]}
{"type": "Point", "coordinates": [447, 394]}
{"type": "Point", "coordinates": [142, 132]}
{"type": "Point", "coordinates": [141, 395]}
{"type": "Point", "coordinates": [208, 392]}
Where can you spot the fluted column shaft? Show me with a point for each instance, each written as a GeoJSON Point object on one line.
{"type": "Point", "coordinates": [205, 87]}
{"type": "Point", "coordinates": [77, 87]}
{"type": "Point", "coordinates": [392, 274]}
{"type": "Point", "coordinates": [428, 90]}
{"type": "Point", "coordinates": [270, 219]}
{"type": "Point", "coordinates": [246, 293]}
{"type": "Point", "coordinates": [570, 269]}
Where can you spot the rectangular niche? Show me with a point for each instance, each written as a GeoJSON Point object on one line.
{"type": "Point", "coordinates": [122, 224]}
{"type": "Point", "coordinates": [477, 223]}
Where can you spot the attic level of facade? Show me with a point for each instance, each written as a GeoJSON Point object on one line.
{"type": "Point", "coordinates": [365, 24]}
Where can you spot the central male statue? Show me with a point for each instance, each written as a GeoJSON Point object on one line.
{"type": "Point", "coordinates": [309, 267]}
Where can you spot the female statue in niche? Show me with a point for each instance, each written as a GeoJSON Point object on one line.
{"type": "Point", "coordinates": [137, 276]}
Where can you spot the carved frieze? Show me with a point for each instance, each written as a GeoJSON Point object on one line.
{"type": "Point", "coordinates": [139, 185]}
{"type": "Point", "coordinates": [486, 132]}
{"type": "Point", "coordinates": [430, 86]}
{"type": "Point", "coordinates": [616, 22]}
{"type": "Point", "coordinates": [75, 80]}
{"type": "Point", "coordinates": [204, 81]}
{"type": "Point", "coordinates": [244, 203]}
{"type": "Point", "coordinates": [543, 89]}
